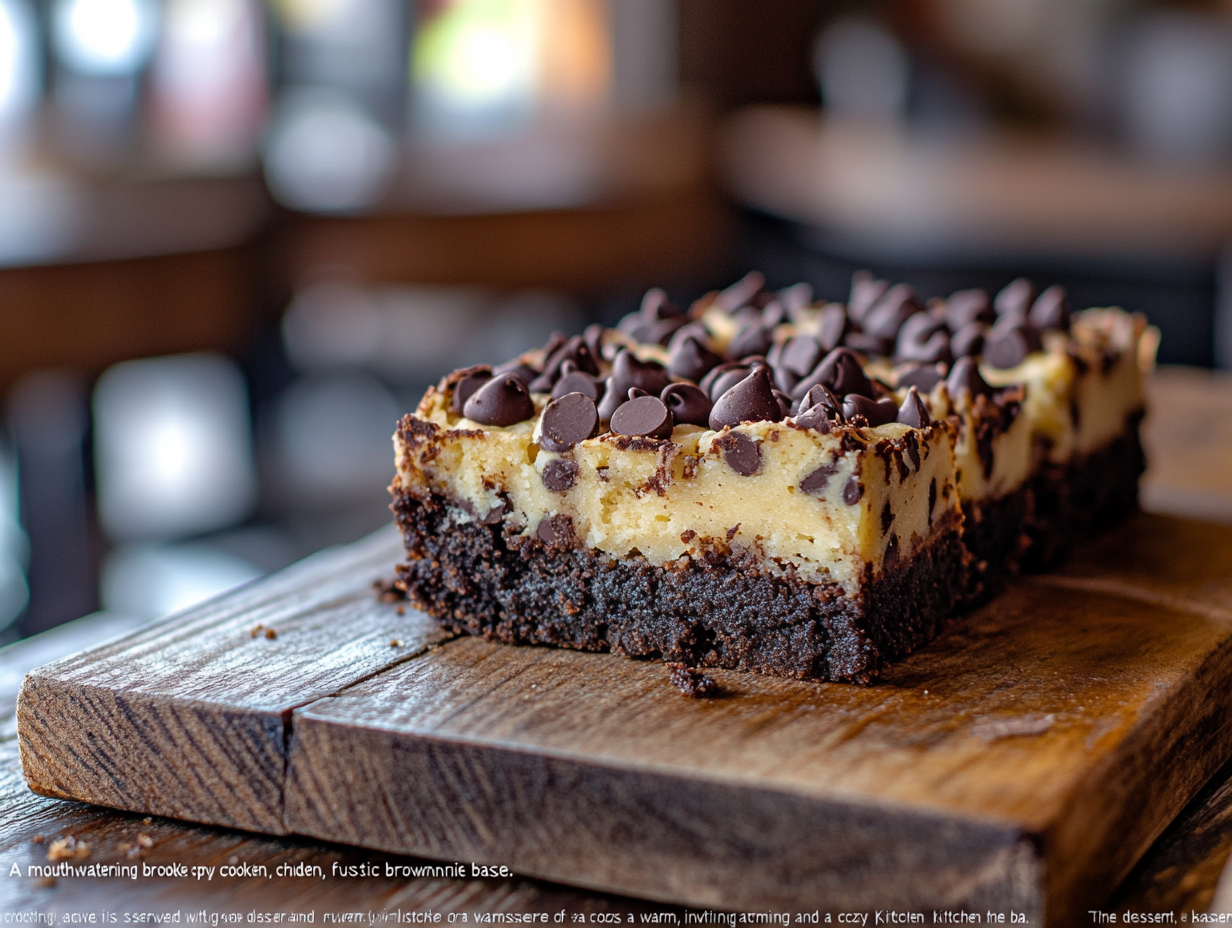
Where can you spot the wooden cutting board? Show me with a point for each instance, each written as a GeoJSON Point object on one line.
{"type": "Point", "coordinates": [1022, 762]}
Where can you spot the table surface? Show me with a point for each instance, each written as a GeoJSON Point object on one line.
{"type": "Point", "coordinates": [1189, 443]}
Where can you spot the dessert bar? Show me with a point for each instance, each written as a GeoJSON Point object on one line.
{"type": "Point", "coordinates": [766, 482]}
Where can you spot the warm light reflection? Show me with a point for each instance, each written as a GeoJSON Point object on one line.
{"type": "Point", "coordinates": [19, 66]}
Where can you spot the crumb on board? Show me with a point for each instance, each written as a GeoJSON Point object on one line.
{"type": "Point", "coordinates": [402, 610]}
{"type": "Point", "coordinates": [691, 681]}
{"type": "Point", "coordinates": [395, 643]}
{"type": "Point", "coordinates": [67, 849]}
{"type": "Point", "coordinates": [47, 882]}
{"type": "Point", "coordinates": [146, 820]}
{"type": "Point", "coordinates": [389, 591]}
{"type": "Point", "coordinates": [39, 839]}
{"type": "Point", "coordinates": [256, 631]}
{"type": "Point", "coordinates": [270, 633]}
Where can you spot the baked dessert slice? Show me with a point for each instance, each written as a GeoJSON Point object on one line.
{"type": "Point", "coordinates": [761, 482]}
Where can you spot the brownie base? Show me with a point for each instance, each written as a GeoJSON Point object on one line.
{"type": "Point", "coordinates": [721, 610]}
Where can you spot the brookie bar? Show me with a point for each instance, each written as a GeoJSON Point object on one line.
{"type": "Point", "coordinates": [766, 483]}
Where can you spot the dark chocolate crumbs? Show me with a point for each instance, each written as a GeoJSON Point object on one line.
{"type": "Point", "coordinates": [555, 531]}
{"type": "Point", "coordinates": [691, 682]}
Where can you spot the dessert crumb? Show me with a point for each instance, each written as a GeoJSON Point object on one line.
{"type": "Point", "coordinates": [270, 633]}
{"type": "Point", "coordinates": [402, 610]}
{"type": "Point", "coordinates": [395, 643]}
{"type": "Point", "coordinates": [146, 820]}
{"type": "Point", "coordinates": [67, 849]}
{"type": "Point", "coordinates": [39, 839]}
{"type": "Point", "coordinates": [691, 681]}
{"type": "Point", "coordinates": [388, 591]}
{"type": "Point", "coordinates": [256, 631]}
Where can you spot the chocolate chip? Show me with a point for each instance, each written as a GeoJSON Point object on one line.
{"type": "Point", "coordinates": [656, 306]}
{"type": "Point", "coordinates": [628, 371]}
{"type": "Point", "coordinates": [852, 491]}
{"type": "Point", "coordinates": [726, 380]}
{"type": "Point", "coordinates": [574, 350]}
{"type": "Point", "coordinates": [575, 382]}
{"type": "Point", "coordinates": [923, 338]}
{"type": "Point", "coordinates": [707, 382]}
{"type": "Point", "coordinates": [1007, 346]}
{"type": "Point", "coordinates": [742, 454]}
{"type": "Point", "coordinates": [801, 354]}
{"type": "Point", "coordinates": [821, 395]}
{"type": "Point", "coordinates": [750, 400]}
{"type": "Point", "coordinates": [831, 326]}
{"type": "Point", "coordinates": [503, 400]}
{"type": "Point", "coordinates": [689, 359]}
{"type": "Point", "coordinates": [841, 372]}
{"type": "Point", "coordinates": [815, 482]}
{"type": "Point", "coordinates": [795, 298]}
{"type": "Point", "coordinates": [646, 416]}
{"type": "Point", "coordinates": [465, 387]}
{"type": "Point", "coordinates": [689, 405]}
{"type": "Point", "coordinates": [969, 339]}
{"type": "Point", "coordinates": [556, 531]}
{"type": "Point", "coordinates": [773, 314]}
{"type": "Point", "coordinates": [739, 293]}
{"type": "Point", "coordinates": [495, 514]}
{"type": "Point", "coordinates": [593, 337]}
{"type": "Point", "coordinates": [816, 417]}
{"type": "Point", "coordinates": [865, 291]}
{"type": "Point", "coordinates": [784, 404]}
{"type": "Point", "coordinates": [872, 345]}
{"type": "Point", "coordinates": [1051, 310]}
{"type": "Point", "coordinates": [913, 412]}
{"type": "Point", "coordinates": [885, 317]}
{"type": "Point", "coordinates": [567, 421]}
{"type": "Point", "coordinates": [924, 376]}
{"type": "Point", "coordinates": [523, 372]}
{"type": "Point", "coordinates": [1015, 299]}
{"type": "Point", "coordinates": [876, 412]}
{"type": "Point", "coordinates": [750, 339]}
{"type": "Point", "coordinates": [610, 400]}
{"type": "Point", "coordinates": [560, 474]}
{"type": "Point", "coordinates": [967, 306]}
{"type": "Point", "coordinates": [966, 376]}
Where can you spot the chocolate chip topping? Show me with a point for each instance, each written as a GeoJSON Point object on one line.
{"type": "Point", "coordinates": [750, 400]}
{"type": "Point", "coordinates": [523, 372]}
{"type": "Point", "coordinates": [503, 400]}
{"type": "Point", "coordinates": [875, 412]}
{"type": "Point", "coordinates": [628, 371]}
{"type": "Point", "coordinates": [574, 381]}
{"type": "Point", "coordinates": [966, 376]}
{"type": "Point", "coordinates": [967, 306]}
{"type": "Point", "coordinates": [593, 337]}
{"type": "Point", "coordinates": [644, 416]}
{"type": "Point", "coordinates": [773, 314]}
{"type": "Point", "coordinates": [820, 395]}
{"type": "Point", "coordinates": [969, 339]}
{"type": "Point", "coordinates": [567, 421]}
{"type": "Point", "coordinates": [574, 351]}
{"type": "Point", "coordinates": [865, 343]}
{"type": "Point", "coordinates": [831, 326]}
{"type": "Point", "coordinates": [841, 372]}
{"type": "Point", "coordinates": [800, 354]}
{"type": "Point", "coordinates": [739, 293]}
{"type": "Point", "coordinates": [1051, 310]}
{"type": "Point", "coordinates": [865, 291]}
{"type": "Point", "coordinates": [885, 317]}
{"type": "Point", "coordinates": [913, 412]}
{"type": "Point", "coordinates": [924, 376]}
{"type": "Point", "coordinates": [465, 387]}
{"type": "Point", "coordinates": [610, 400]}
{"type": "Point", "coordinates": [1016, 298]}
{"type": "Point", "coordinates": [797, 297]}
{"type": "Point", "coordinates": [815, 482]}
{"type": "Point", "coordinates": [742, 454]}
{"type": "Point", "coordinates": [560, 474]}
{"type": "Point", "coordinates": [923, 338]}
{"type": "Point", "coordinates": [753, 338]}
{"type": "Point", "coordinates": [1007, 346]}
{"type": "Point", "coordinates": [689, 405]}
{"type": "Point", "coordinates": [690, 359]}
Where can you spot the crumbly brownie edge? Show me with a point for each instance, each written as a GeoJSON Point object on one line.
{"type": "Point", "coordinates": [1083, 497]}
{"type": "Point", "coordinates": [717, 611]}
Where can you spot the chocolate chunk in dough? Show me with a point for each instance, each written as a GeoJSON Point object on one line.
{"type": "Point", "coordinates": [560, 474]}
{"type": "Point", "coordinates": [815, 482]}
{"type": "Point", "coordinates": [852, 490]}
{"type": "Point", "coordinates": [555, 531]}
{"type": "Point", "coordinates": [646, 416]}
{"type": "Point", "coordinates": [503, 400]}
{"type": "Point", "coordinates": [742, 454]}
{"type": "Point", "coordinates": [567, 421]}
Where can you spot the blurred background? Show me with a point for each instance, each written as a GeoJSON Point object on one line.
{"type": "Point", "coordinates": [239, 238]}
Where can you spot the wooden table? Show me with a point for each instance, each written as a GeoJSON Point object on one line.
{"type": "Point", "coordinates": [1189, 446]}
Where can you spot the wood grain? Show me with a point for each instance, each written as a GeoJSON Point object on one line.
{"type": "Point", "coordinates": [1024, 760]}
{"type": "Point", "coordinates": [188, 718]}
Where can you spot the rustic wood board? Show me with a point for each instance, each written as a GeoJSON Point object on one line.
{"type": "Point", "coordinates": [1024, 760]}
